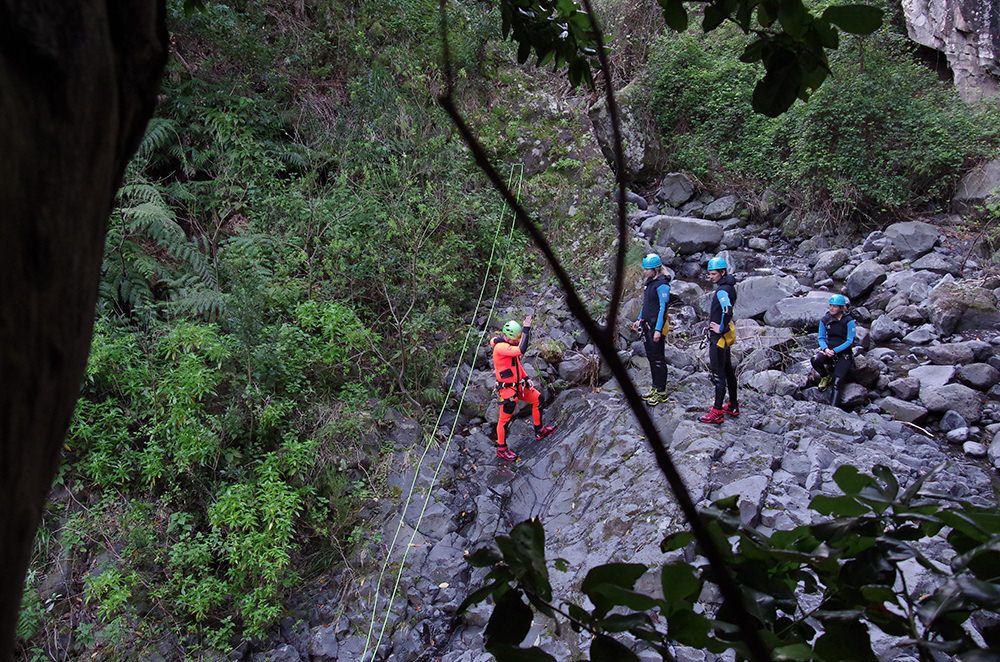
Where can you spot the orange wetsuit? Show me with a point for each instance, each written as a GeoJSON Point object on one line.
{"type": "Point", "coordinates": [513, 383]}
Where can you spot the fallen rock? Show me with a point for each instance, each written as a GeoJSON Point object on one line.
{"type": "Point", "coordinates": [912, 238]}
{"type": "Point", "coordinates": [759, 244]}
{"type": "Point", "coordinates": [979, 184]}
{"type": "Point", "coordinates": [906, 388]}
{"type": "Point", "coordinates": [994, 451]}
{"type": "Point", "coordinates": [901, 410]}
{"type": "Point", "coordinates": [675, 189]}
{"type": "Point", "coordinates": [960, 306]}
{"type": "Point", "coordinates": [921, 335]}
{"type": "Point", "coordinates": [724, 207]}
{"type": "Point", "coordinates": [853, 395]}
{"type": "Point", "coordinates": [955, 353]}
{"type": "Point", "coordinates": [830, 261]}
{"type": "Point", "coordinates": [798, 312]}
{"type": "Point", "coordinates": [866, 370]}
{"type": "Point", "coordinates": [931, 376]}
{"type": "Point", "coordinates": [974, 448]}
{"type": "Point", "coordinates": [283, 653]}
{"type": "Point", "coordinates": [643, 151]}
{"type": "Point", "coordinates": [967, 402]}
{"type": "Point", "coordinates": [684, 234]}
{"type": "Point", "coordinates": [938, 264]}
{"type": "Point", "coordinates": [577, 368]}
{"type": "Point", "coordinates": [952, 420]}
{"type": "Point", "coordinates": [981, 376]}
{"type": "Point", "coordinates": [884, 328]}
{"type": "Point", "coordinates": [864, 278]}
{"type": "Point", "coordinates": [758, 294]}
{"type": "Point", "coordinates": [772, 382]}
{"type": "Point", "coordinates": [687, 293]}
{"type": "Point", "coordinates": [957, 436]}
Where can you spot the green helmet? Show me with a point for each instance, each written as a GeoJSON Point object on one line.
{"type": "Point", "coordinates": [511, 329]}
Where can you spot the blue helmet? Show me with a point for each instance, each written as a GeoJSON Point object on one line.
{"type": "Point", "coordinates": [837, 300]}
{"type": "Point", "coordinates": [652, 261]}
{"type": "Point", "coordinates": [717, 264]}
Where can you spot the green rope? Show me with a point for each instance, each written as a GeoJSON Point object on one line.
{"type": "Point", "coordinates": [430, 437]}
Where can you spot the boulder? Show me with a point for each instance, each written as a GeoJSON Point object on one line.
{"type": "Point", "coordinates": [884, 328]}
{"type": "Point", "coordinates": [323, 642]}
{"type": "Point", "coordinates": [938, 264]}
{"type": "Point", "coordinates": [643, 151]}
{"type": "Point", "coordinates": [866, 370]}
{"type": "Point", "coordinates": [909, 313]}
{"type": "Point", "coordinates": [958, 307]}
{"type": "Point", "coordinates": [967, 402]}
{"type": "Point", "coordinates": [830, 261]}
{"type": "Point", "coordinates": [687, 293]}
{"type": "Point", "coordinates": [912, 238]}
{"type": "Point", "coordinates": [957, 436]}
{"type": "Point", "coordinates": [772, 382]}
{"type": "Point", "coordinates": [758, 294]}
{"type": "Point", "coordinates": [994, 451]}
{"type": "Point", "coordinates": [906, 388]}
{"type": "Point", "coordinates": [675, 189]}
{"type": "Point", "coordinates": [724, 207]}
{"type": "Point", "coordinates": [932, 376]}
{"type": "Point", "coordinates": [283, 653]}
{"type": "Point", "coordinates": [577, 368]}
{"type": "Point", "coordinates": [921, 335]}
{"type": "Point", "coordinates": [952, 420]}
{"type": "Point", "coordinates": [980, 376]}
{"type": "Point", "coordinates": [901, 410]}
{"type": "Point", "coordinates": [798, 312]}
{"type": "Point", "coordinates": [853, 395]}
{"type": "Point", "coordinates": [684, 234]}
{"type": "Point", "coordinates": [979, 184]}
{"type": "Point", "coordinates": [864, 278]}
{"type": "Point", "coordinates": [974, 449]}
{"type": "Point", "coordinates": [956, 353]}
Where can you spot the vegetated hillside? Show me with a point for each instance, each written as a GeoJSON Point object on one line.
{"type": "Point", "coordinates": [883, 137]}
{"type": "Point", "coordinates": [291, 254]}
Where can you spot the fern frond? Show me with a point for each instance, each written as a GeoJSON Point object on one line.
{"type": "Point", "coordinates": [159, 133]}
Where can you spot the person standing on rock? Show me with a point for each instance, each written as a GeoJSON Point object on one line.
{"type": "Point", "coordinates": [721, 336]}
{"type": "Point", "coordinates": [654, 324]}
{"type": "Point", "coordinates": [835, 359]}
{"type": "Point", "coordinates": [513, 384]}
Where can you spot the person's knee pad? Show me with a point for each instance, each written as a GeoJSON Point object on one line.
{"type": "Point", "coordinates": [507, 408]}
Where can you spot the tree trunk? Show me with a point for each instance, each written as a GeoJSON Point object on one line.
{"type": "Point", "coordinates": [78, 82]}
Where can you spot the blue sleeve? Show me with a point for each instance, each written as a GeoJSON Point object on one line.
{"type": "Point", "coordinates": [663, 293]}
{"type": "Point", "coordinates": [822, 335]}
{"type": "Point", "coordinates": [850, 338]}
{"type": "Point", "coordinates": [723, 298]}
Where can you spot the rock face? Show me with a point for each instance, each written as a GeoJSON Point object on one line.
{"type": "Point", "coordinates": [684, 235]}
{"type": "Point", "coordinates": [979, 184]}
{"type": "Point", "coordinates": [968, 33]}
{"type": "Point", "coordinates": [644, 154]}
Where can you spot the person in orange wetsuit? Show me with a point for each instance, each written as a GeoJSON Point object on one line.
{"type": "Point", "coordinates": [513, 384]}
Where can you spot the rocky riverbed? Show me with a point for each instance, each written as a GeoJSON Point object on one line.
{"type": "Point", "coordinates": [925, 392]}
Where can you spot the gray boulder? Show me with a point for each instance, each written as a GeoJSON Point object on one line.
{"type": "Point", "coordinates": [684, 234]}
{"type": "Point", "coordinates": [323, 642]}
{"type": "Point", "coordinates": [961, 306]}
{"type": "Point", "coordinates": [906, 388]}
{"type": "Point", "coordinates": [798, 312]}
{"type": "Point", "coordinates": [687, 293]}
{"type": "Point", "coordinates": [932, 376]}
{"type": "Point", "coordinates": [772, 382]}
{"type": "Point", "coordinates": [957, 436]}
{"type": "Point", "coordinates": [884, 328]}
{"type": "Point", "coordinates": [981, 376]}
{"type": "Point", "coordinates": [901, 410]}
{"type": "Point", "coordinates": [974, 449]}
{"type": "Point", "coordinates": [967, 402]}
{"type": "Point", "coordinates": [909, 313]}
{"type": "Point", "coordinates": [866, 370]}
{"type": "Point", "coordinates": [675, 189]}
{"type": "Point", "coordinates": [830, 261]}
{"type": "Point", "coordinates": [912, 238]}
{"type": "Point", "coordinates": [759, 244]}
{"type": "Point", "coordinates": [283, 653]}
{"type": "Point", "coordinates": [956, 353]}
{"type": "Point", "coordinates": [994, 451]}
{"type": "Point", "coordinates": [979, 184]}
{"type": "Point", "coordinates": [577, 368]}
{"type": "Point", "coordinates": [758, 294]}
{"type": "Point", "coordinates": [643, 151]}
{"type": "Point", "coordinates": [864, 278]}
{"type": "Point", "coordinates": [937, 263]}
{"type": "Point", "coordinates": [921, 335]}
{"type": "Point", "coordinates": [724, 207]}
{"type": "Point", "coordinates": [952, 420]}
{"type": "Point", "coordinates": [853, 395]}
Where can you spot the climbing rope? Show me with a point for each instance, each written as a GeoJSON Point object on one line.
{"type": "Point", "coordinates": [451, 434]}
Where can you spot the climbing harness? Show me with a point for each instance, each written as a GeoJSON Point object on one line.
{"type": "Point", "coordinates": [430, 437]}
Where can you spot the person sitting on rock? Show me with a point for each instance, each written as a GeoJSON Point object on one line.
{"type": "Point", "coordinates": [653, 323]}
{"type": "Point", "coordinates": [513, 384]}
{"type": "Point", "coordinates": [835, 359]}
{"type": "Point", "coordinates": [721, 336]}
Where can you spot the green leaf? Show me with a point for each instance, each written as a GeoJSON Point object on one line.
{"type": "Point", "coordinates": [679, 583]}
{"type": "Point", "coordinates": [476, 597]}
{"type": "Point", "coordinates": [850, 480]}
{"type": "Point", "coordinates": [793, 652]}
{"type": "Point", "coordinates": [845, 641]}
{"type": "Point", "coordinates": [793, 17]}
{"type": "Point", "coordinates": [840, 506]}
{"type": "Point", "coordinates": [484, 557]}
{"type": "Point", "coordinates": [878, 594]}
{"type": "Point", "coordinates": [620, 575]}
{"type": "Point", "coordinates": [689, 629]}
{"type": "Point", "coordinates": [617, 596]}
{"type": "Point", "coordinates": [674, 15]}
{"type": "Point", "coordinates": [676, 541]}
{"type": "Point", "coordinates": [856, 19]}
{"type": "Point", "coordinates": [523, 51]}
{"type": "Point", "coordinates": [623, 622]}
{"type": "Point", "coordinates": [510, 621]}
{"type": "Point", "coordinates": [508, 653]}
{"type": "Point", "coordinates": [606, 649]}
{"type": "Point", "coordinates": [890, 484]}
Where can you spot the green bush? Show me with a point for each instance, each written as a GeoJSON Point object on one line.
{"type": "Point", "coordinates": [882, 134]}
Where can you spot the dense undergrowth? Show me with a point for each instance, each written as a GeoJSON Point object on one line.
{"type": "Point", "coordinates": [883, 135]}
{"type": "Point", "coordinates": [292, 253]}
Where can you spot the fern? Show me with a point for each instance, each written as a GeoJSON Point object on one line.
{"type": "Point", "coordinates": [159, 134]}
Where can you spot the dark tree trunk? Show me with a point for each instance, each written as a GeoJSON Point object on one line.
{"type": "Point", "coordinates": [78, 81]}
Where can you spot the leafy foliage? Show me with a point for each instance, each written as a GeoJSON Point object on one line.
{"type": "Point", "coordinates": [815, 591]}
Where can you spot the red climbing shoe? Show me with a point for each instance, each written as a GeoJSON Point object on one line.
{"type": "Point", "coordinates": [733, 411]}
{"type": "Point", "coordinates": [543, 431]}
{"type": "Point", "coordinates": [505, 453]}
{"type": "Point", "coordinates": [714, 416]}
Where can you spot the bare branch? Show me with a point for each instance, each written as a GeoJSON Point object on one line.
{"type": "Point", "coordinates": [606, 346]}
